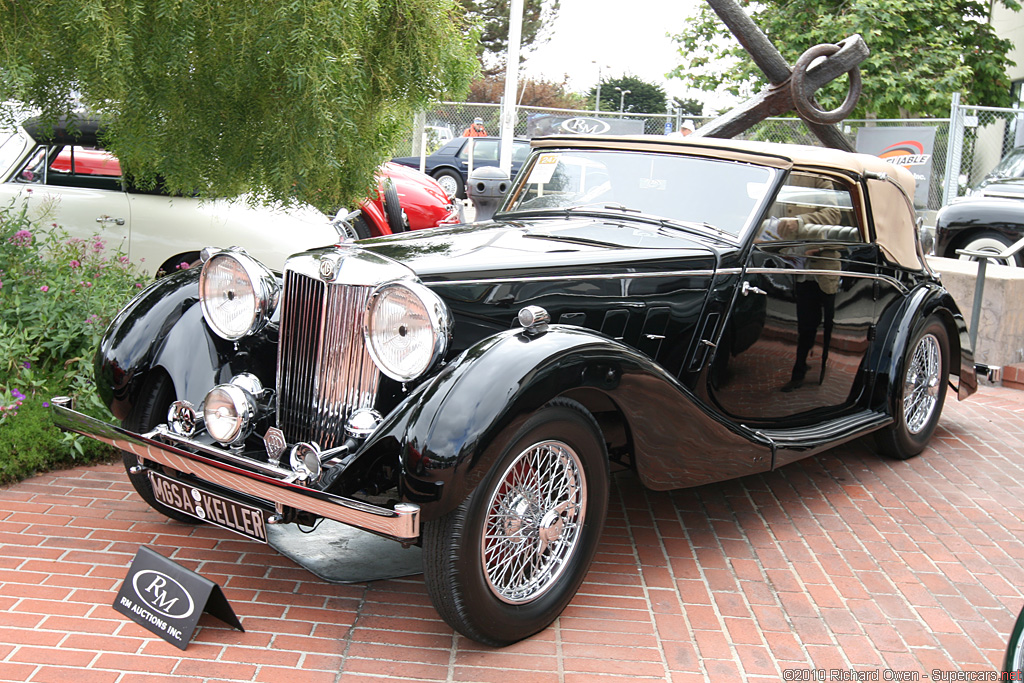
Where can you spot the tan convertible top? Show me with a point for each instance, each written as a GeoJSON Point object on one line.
{"type": "Point", "coordinates": [894, 218]}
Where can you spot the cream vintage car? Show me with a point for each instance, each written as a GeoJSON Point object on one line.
{"type": "Point", "coordinates": [67, 180]}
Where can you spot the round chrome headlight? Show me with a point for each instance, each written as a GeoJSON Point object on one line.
{"type": "Point", "coordinates": [228, 412]}
{"type": "Point", "coordinates": [406, 329]}
{"type": "Point", "coordinates": [238, 294]}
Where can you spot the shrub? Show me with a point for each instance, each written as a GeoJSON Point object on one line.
{"type": "Point", "coordinates": [57, 295]}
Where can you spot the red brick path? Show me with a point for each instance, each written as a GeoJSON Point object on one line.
{"type": "Point", "coordinates": [844, 561]}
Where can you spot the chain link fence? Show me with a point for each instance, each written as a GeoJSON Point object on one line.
{"type": "Point", "coordinates": [451, 119]}
{"type": "Point", "coordinates": [987, 144]}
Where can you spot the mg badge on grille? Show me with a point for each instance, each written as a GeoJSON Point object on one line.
{"type": "Point", "coordinates": [275, 442]}
{"type": "Point", "coordinates": [327, 269]}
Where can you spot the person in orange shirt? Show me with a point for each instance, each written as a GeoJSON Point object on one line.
{"type": "Point", "coordinates": [477, 130]}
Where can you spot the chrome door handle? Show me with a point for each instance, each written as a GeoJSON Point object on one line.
{"type": "Point", "coordinates": [105, 219]}
{"type": "Point", "coordinates": [749, 289]}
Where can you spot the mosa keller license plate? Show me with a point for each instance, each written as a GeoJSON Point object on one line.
{"type": "Point", "coordinates": [234, 516]}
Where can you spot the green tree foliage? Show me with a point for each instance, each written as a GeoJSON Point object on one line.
{"type": "Point", "coordinates": [290, 99]}
{"type": "Point", "coordinates": [532, 93]}
{"type": "Point", "coordinates": [643, 97]}
{"type": "Point", "coordinates": [688, 106]}
{"type": "Point", "coordinates": [921, 51]}
{"type": "Point", "coordinates": [492, 20]}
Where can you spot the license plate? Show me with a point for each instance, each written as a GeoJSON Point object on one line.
{"type": "Point", "coordinates": [243, 519]}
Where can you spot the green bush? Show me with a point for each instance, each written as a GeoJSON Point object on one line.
{"type": "Point", "coordinates": [57, 295]}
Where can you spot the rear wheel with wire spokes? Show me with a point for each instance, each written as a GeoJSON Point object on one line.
{"type": "Point", "coordinates": [922, 391]}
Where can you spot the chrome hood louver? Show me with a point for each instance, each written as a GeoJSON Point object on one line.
{"type": "Point", "coordinates": [324, 371]}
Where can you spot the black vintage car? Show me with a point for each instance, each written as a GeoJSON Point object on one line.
{"type": "Point", "coordinates": [694, 310]}
{"type": "Point", "coordinates": [989, 221]}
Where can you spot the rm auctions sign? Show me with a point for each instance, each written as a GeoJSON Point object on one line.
{"type": "Point", "coordinates": [909, 147]}
{"type": "Point", "coordinates": [168, 599]}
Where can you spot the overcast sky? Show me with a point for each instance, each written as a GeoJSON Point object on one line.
{"type": "Point", "coordinates": [623, 37]}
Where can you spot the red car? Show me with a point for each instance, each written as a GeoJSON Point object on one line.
{"type": "Point", "coordinates": [87, 161]}
{"type": "Point", "coordinates": [406, 200]}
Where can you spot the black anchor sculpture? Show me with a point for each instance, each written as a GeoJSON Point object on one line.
{"type": "Point", "coordinates": [790, 88]}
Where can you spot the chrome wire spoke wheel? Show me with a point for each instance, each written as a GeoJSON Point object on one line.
{"type": "Point", "coordinates": [921, 385]}
{"type": "Point", "coordinates": [534, 520]}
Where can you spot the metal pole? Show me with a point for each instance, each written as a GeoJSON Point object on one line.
{"type": "Point", "coordinates": [979, 291]}
{"type": "Point", "coordinates": [420, 132]}
{"type": "Point", "coordinates": [954, 150]}
{"type": "Point", "coordinates": [508, 113]}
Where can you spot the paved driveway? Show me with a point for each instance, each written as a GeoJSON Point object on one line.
{"type": "Point", "coordinates": [903, 570]}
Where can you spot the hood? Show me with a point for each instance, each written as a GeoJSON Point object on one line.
{"type": "Point", "coordinates": [531, 248]}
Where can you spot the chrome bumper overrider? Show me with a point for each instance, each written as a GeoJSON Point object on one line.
{"type": "Point", "coordinates": [271, 484]}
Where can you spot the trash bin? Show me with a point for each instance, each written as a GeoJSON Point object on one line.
{"type": "Point", "coordinates": [487, 186]}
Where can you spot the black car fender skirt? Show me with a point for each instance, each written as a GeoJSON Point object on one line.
{"type": "Point", "coordinates": [899, 327]}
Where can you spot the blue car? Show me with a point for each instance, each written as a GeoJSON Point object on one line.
{"type": "Point", "coordinates": [450, 166]}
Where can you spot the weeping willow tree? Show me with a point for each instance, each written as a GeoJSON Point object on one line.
{"type": "Point", "coordinates": [291, 100]}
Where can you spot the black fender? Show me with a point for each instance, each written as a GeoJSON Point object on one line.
{"type": "Point", "coordinates": [163, 328]}
{"type": "Point", "coordinates": [447, 429]}
{"type": "Point", "coordinates": [957, 221]}
{"type": "Point", "coordinates": [900, 324]}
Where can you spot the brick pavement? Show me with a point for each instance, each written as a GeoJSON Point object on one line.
{"type": "Point", "coordinates": [844, 561]}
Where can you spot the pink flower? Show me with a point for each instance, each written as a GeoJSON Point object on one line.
{"type": "Point", "coordinates": [87, 284]}
{"type": "Point", "coordinates": [123, 259]}
{"type": "Point", "coordinates": [44, 288]}
{"type": "Point", "coordinates": [22, 238]}
{"type": "Point", "coordinates": [75, 263]}
{"type": "Point", "coordinates": [182, 266]}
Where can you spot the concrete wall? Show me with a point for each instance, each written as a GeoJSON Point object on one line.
{"type": "Point", "coordinates": [1001, 332]}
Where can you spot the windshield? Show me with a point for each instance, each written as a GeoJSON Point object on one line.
{"type": "Point", "coordinates": [681, 189]}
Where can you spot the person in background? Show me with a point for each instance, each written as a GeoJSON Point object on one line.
{"type": "Point", "coordinates": [686, 129]}
{"type": "Point", "coordinates": [476, 130]}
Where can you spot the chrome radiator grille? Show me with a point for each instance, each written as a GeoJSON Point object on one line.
{"type": "Point", "coordinates": [324, 372]}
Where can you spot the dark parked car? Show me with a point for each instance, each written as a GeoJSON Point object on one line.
{"type": "Point", "coordinates": [450, 165]}
{"type": "Point", "coordinates": [1010, 167]}
{"type": "Point", "coordinates": [990, 218]}
{"type": "Point", "coordinates": [989, 221]}
{"type": "Point", "coordinates": [643, 301]}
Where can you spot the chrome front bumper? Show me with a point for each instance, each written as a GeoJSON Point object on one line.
{"type": "Point", "coordinates": [402, 523]}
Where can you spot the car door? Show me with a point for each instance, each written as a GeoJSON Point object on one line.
{"type": "Point", "coordinates": [798, 331]}
{"type": "Point", "coordinates": [76, 188]}
{"type": "Point", "coordinates": [477, 152]}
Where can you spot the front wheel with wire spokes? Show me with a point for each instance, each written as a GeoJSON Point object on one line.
{"type": "Point", "coordinates": [921, 392]}
{"type": "Point", "coordinates": [504, 564]}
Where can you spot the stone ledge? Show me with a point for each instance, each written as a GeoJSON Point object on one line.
{"type": "Point", "coordinates": [1001, 330]}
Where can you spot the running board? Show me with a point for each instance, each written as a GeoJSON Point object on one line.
{"type": "Point", "coordinates": [789, 445]}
